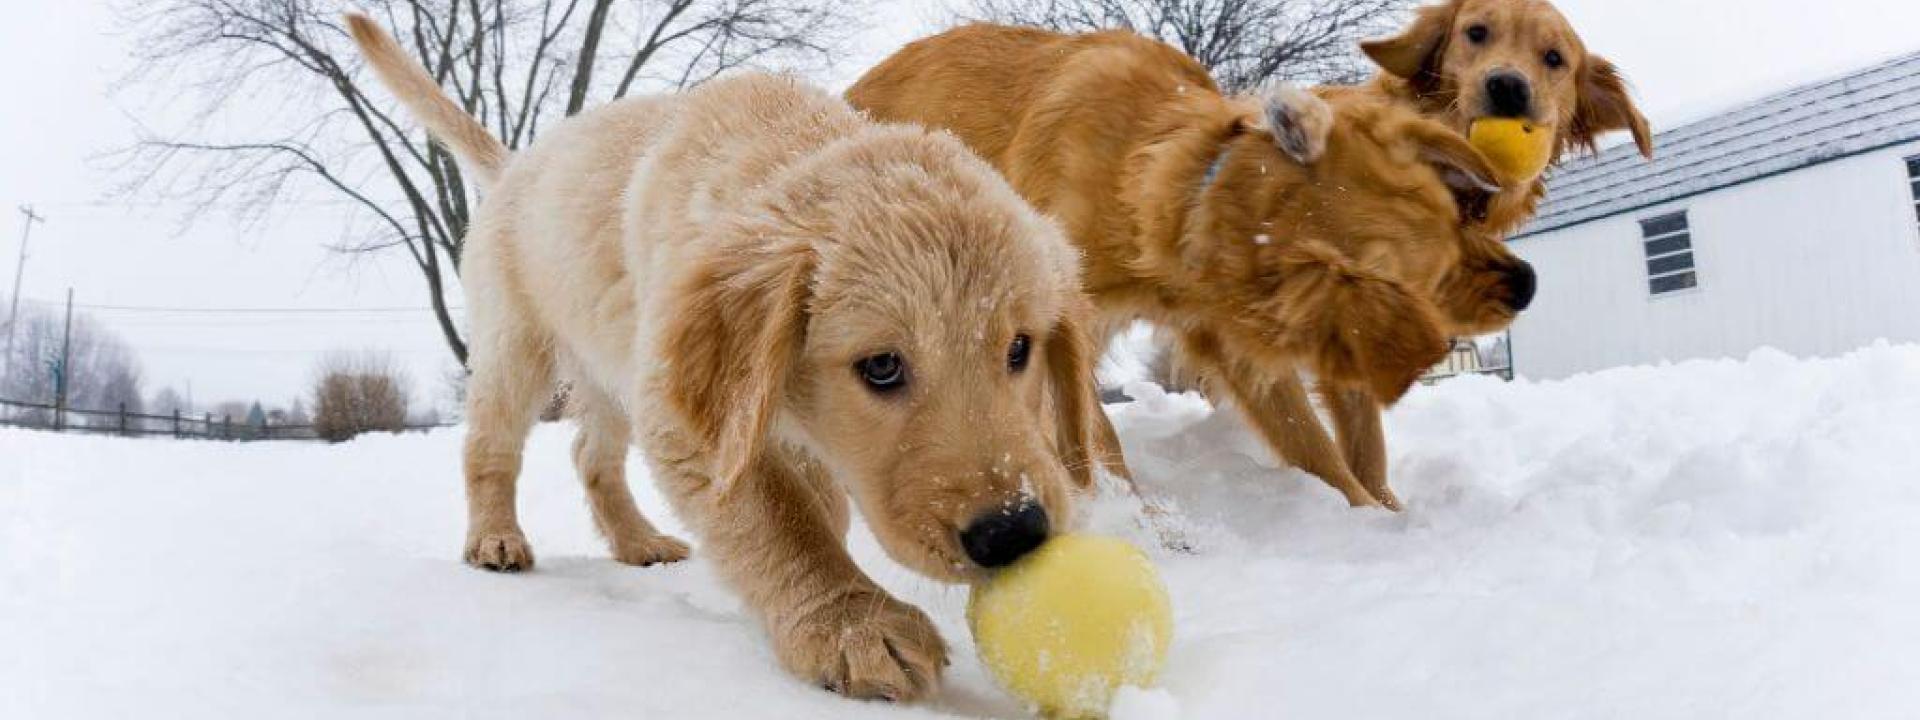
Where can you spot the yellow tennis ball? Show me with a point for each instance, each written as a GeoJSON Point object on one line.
{"type": "Point", "coordinates": [1518, 149]}
{"type": "Point", "coordinates": [1071, 623]}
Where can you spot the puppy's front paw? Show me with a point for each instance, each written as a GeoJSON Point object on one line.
{"type": "Point", "coordinates": [650, 550]}
{"type": "Point", "coordinates": [499, 549]}
{"type": "Point", "coordinates": [867, 645]}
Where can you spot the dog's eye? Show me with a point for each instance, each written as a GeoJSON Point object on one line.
{"type": "Point", "coordinates": [883, 373]}
{"type": "Point", "coordinates": [1554, 60]}
{"type": "Point", "coordinates": [1477, 33]}
{"type": "Point", "coordinates": [1018, 352]}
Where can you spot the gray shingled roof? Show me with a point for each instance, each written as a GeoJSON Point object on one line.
{"type": "Point", "coordinates": [1862, 111]}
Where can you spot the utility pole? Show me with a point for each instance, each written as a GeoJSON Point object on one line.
{"type": "Point", "coordinates": [19, 268]}
{"type": "Point", "coordinates": [66, 368]}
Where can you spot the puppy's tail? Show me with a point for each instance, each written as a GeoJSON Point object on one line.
{"type": "Point", "coordinates": [476, 148]}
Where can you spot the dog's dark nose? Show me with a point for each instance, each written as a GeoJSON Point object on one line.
{"type": "Point", "coordinates": [1509, 94]}
{"type": "Point", "coordinates": [1003, 536]}
{"type": "Point", "coordinates": [1520, 286]}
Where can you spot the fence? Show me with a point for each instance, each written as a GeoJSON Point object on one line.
{"type": "Point", "coordinates": [1465, 358]}
{"type": "Point", "coordinates": [177, 425]}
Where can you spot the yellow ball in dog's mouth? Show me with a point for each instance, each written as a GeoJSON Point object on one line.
{"type": "Point", "coordinates": [1518, 149]}
{"type": "Point", "coordinates": [1073, 622]}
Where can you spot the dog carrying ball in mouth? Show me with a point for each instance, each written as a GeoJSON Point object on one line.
{"type": "Point", "coordinates": [1518, 149]}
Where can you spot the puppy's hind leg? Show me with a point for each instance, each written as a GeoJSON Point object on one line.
{"type": "Point", "coordinates": [512, 378]}
{"type": "Point", "coordinates": [600, 454]}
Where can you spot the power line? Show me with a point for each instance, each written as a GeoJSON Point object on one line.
{"type": "Point", "coordinates": [249, 310]}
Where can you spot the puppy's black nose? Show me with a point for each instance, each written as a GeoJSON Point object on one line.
{"type": "Point", "coordinates": [1520, 286]}
{"type": "Point", "coordinates": [1509, 95]}
{"type": "Point", "coordinates": [998, 538]}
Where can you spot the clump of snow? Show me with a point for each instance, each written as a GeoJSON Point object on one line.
{"type": "Point", "coordinates": [1132, 703]}
{"type": "Point", "coordinates": [1709, 539]}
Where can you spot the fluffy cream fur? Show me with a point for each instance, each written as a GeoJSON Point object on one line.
{"type": "Point", "coordinates": [708, 269]}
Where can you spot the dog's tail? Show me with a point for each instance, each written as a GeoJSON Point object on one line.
{"type": "Point", "coordinates": [476, 148]}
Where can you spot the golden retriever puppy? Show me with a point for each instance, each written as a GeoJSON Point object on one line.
{"type": "Point", "coordinates": [786, 304]}
{"type": "Point", "coordinates": [1463, 60]}
{"type": "Point", "coordinates": [1271, 233]}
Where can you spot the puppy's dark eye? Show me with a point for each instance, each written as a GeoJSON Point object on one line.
{"type": "Point", "coordinates": [1477, 34]}
{"type": "Point", "coordinates": [1018, 352]}
{"type": "Point", "coordinates": [1554, 60]}
{"type": "Point", "coordinates": [883, 373]}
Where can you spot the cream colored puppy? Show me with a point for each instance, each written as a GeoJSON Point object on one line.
{"type": "Point", "coordinates": [787, 304]}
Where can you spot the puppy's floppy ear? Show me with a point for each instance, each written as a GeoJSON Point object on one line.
{"type": "Point", "coordinates": [1606, 105]}
{"type": "Point", "coordinates": [731, 341]}
{"type": "Point", "coordinates": [1070, 355]}
{"type": "Point", "coordinates": [1414, 55]}
{"type": "Point", "coordinates": [1299, 120]}
{"type": "Point", "coordinates": [1466, 171]}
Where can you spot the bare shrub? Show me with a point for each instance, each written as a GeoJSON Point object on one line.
{"type": "Point", "coordinates": [356, 394]}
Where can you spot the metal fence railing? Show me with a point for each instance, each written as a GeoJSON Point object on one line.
{"type": "Point", "coordinates": [42, 416]}
{"type": "Point", "coordinates": [1466, 358]}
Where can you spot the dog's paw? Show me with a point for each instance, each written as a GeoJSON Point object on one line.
{"type": "Point", "coordinates": [650, 550]}
{"type": "Point", "coordinates": [1385, 497]}
{"type": "Point", "coordinates": [499, 550]}
{"type": "Point", "coordinates": [867, 645]}
{"type": "Point", "coordinates": [1299, 120]}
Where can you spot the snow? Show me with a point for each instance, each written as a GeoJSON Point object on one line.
{"type": "Point", "coordinates": [1710, 539]}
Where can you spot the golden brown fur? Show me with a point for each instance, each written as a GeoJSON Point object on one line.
{"type": "Point", "coordinates": [711, 271]}
{"type": "Point", "coordinates": [1270, 233]}
{"type": "Point", "coordinates": [1438, 69]}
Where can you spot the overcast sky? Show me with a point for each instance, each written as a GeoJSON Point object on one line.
{"type": "Point", "coordinates": [59, 60]}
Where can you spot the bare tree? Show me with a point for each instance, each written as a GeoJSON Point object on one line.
{"type": "Point", "coordinates": [1244, 42]}
{"type": "Point", "coordinates": [168, 401]}
{"type": "Point", "coordinates": [101, 370]}
{"type": "Point", "coordinates": [514, 64]}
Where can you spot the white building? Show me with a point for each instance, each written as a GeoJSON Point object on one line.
{"type": "Point", "coordinates": [1792, 222]}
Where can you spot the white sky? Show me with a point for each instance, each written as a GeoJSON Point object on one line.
{"type": "Point", "coordinates": [58, 60]}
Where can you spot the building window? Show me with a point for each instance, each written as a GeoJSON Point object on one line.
{"type": "Point", "coordinates": [1913, 182]}
{"type": "Point", "coordinates": [1669, 248]}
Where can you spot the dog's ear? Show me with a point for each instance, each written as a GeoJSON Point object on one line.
{"type": "Point", "coordinates": [1414, 55]}
{"type": "Point", "coordinates": [1606, 105]}
{"type": "Point", "coordinates": [1070, 355]}
{"type": "Point", "coordinates": [1299, 120]}
{"type": "Point", "coordinates": [731, 340]}
{"type": "Point", "coordinates": [1466, 171]}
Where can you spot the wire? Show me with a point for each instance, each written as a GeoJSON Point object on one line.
{"type": "Point", "coordinates": [241, 310]}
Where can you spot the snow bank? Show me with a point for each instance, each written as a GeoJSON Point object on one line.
{"type": "Point", "coordinates": [1712, 539]}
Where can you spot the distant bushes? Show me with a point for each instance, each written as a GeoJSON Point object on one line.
{"type": "Point", "coordinates": [356, 394]}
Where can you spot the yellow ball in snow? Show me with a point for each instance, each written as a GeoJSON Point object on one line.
{"type": "Point", "coordinates": [1073, 622]}
{"type": "Point", "coordinates": [1518, 149]}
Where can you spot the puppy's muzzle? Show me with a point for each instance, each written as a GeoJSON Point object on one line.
{"type": "Point", "coordinates": [1002, 536]}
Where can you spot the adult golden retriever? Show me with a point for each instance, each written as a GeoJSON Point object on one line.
{"type": "Point", "coordinates": [786, 304]}
{"type": "Point", "coordinates": [1463, 60]}
{"type": "Point", "coordinates": [1333, 232]}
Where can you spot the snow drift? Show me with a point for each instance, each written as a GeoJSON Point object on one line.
{"type": "Point", "coordinates": [1711, 539]}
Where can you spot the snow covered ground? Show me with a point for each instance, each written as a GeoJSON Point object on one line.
{"type": "Point", "coordinates": [1713, 539]}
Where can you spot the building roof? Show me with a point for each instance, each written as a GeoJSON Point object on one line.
{"type": "Point", "coordinates": [1865, 110]}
